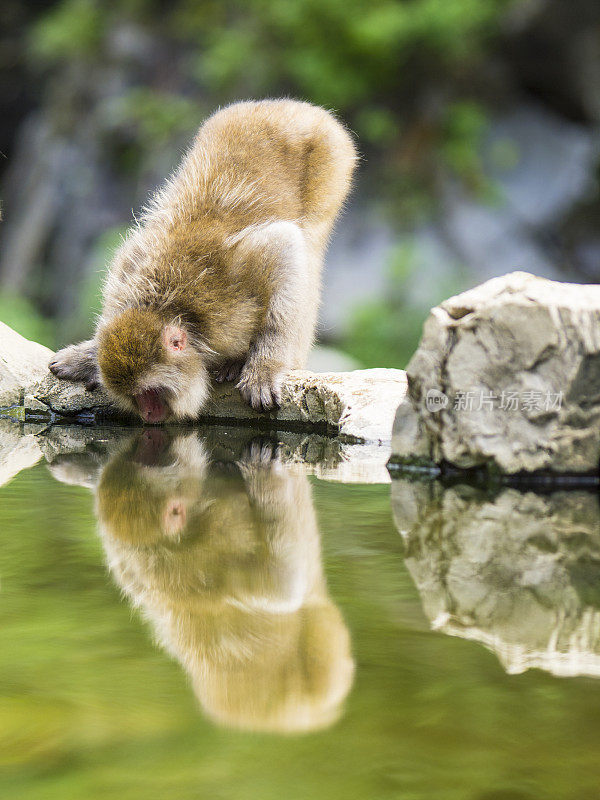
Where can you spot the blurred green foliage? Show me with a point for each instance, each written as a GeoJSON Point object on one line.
{"type": "Point", "coordinates": [403, 74]}
{"type": "Point", "coordinates": [464, 128]}
{"type": "Point", "coordinates": [80, 324]}
{"type": "Point", "coordinates": [385, 332]}
{"type": "Point", "coordinates": [72, 29]}
{"type": "Point", "coordinates": [345, 55]}
{"type": "Point", "coordinates": [369, 60]}
{"type": "Point", "coordinates": [20, 314]}
{"type": "Point", "coordinates": [157, 115]}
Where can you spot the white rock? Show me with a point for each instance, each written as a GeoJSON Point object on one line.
{"type": "Point", "coordinates": [17, 451]}
{"type": "Point", "coordinates": [22, 363]}
{"type": "Point", "coordinates": [521, 337]}
{"type": "Point", "coordinates": [359, 405]}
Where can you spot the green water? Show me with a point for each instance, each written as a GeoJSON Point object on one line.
{"type": "Point", "coordinates": [180, 625]}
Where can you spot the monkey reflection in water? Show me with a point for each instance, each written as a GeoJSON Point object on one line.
{"type": "Point", "coordinates": [224, 561]}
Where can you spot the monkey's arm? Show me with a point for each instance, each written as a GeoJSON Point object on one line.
{"type": "Point", "coordinates": [279, 252]}
{"type": "Point", "coordinates": [77, 469]}
{"type": "Point", "coordinates": [285, 523]}
{"type": "Point", "coordinates": [78, 362]}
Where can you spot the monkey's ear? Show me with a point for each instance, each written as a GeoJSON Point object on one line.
{"type": "Point", "coordinates": [174, 338]}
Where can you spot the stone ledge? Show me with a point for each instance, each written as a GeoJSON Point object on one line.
{"type": "Point", "coordinates": [358, 406]}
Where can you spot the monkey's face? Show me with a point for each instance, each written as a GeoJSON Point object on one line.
{"type": "Point", "coordinates": [150, 493]}
{"type": "Point", "coordinates": [151, 368]}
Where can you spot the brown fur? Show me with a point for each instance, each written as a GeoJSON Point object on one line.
{"type": "Point", "coordinates": [232, 585]}
{"type": "Point", "coordinates": [229, 251]}
{"type": "Point", "coordinates": [129, 347]}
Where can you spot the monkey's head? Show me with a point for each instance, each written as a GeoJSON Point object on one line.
{"type": "Point", "coordinates": [150, 366]}
{"type": "Point", "coordinates": [226, 566]}
{"type": "Point", "coordinates": [150, 492]}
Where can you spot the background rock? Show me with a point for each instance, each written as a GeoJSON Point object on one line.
{"type": "Point", "coordinates": [515, 367]}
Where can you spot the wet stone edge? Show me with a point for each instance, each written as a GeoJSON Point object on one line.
{"type": "Point", "coordinates": [488, 475]}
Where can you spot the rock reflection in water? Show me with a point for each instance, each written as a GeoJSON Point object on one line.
{"type": "Point", "coordinates": [518, 572]}
{"type": "Point", "coordinates": [223, 559]}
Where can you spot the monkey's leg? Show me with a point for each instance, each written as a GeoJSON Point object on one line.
{"type": "Point", "coordinates": [77, 363]}
{"type": "Point", "coordinates": [279, 251]}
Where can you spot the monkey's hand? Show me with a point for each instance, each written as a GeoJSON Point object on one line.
{"type": "Point", "coordinates": [77, 363]}
{"type": "Point", "coordinates": [260, 385]}
{"type": "Point", "coordinates": [229, 371]}
{"type": "Point", "coordinates": [260, 451]}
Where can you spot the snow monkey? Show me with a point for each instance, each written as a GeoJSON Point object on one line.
{"type": "Point", "coordinates": [221, 275]}
{"type": "Point", "coordinates": [223, 560]}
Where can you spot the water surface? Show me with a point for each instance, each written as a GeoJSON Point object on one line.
{"type": "Point", "coordinates": [188, 619]}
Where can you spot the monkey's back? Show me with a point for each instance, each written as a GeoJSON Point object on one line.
{"type": "Point", "coordinates": [272, 159]}
{"type": "Point", "coordinates": [251, 163]}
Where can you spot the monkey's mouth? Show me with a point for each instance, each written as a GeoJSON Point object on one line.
{"type": "Point", "coordinates": [152, 448]}
{"type": "Point", "coordinates": [152, 405]}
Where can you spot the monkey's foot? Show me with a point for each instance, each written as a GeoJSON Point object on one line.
{"type": "Point", "coordinates": [260, 387]}
{"type": "Point", "coordinates": [229, 371]}
{"type": "Point", "coordinates": [77, 363]}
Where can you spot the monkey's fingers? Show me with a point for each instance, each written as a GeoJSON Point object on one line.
{"type": "Point", "coordinates": [229, 371]}
{"type": "Point", "coordinates": [261, 392]}
{"type": "Point", "coordinates": [260, 451]}
{"type": "Point", "coordinates": [76, 363]}
{"type": "Point", "coordinates": [270, 396]}
{"type": "Point", "coordinates": [64, 370]}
